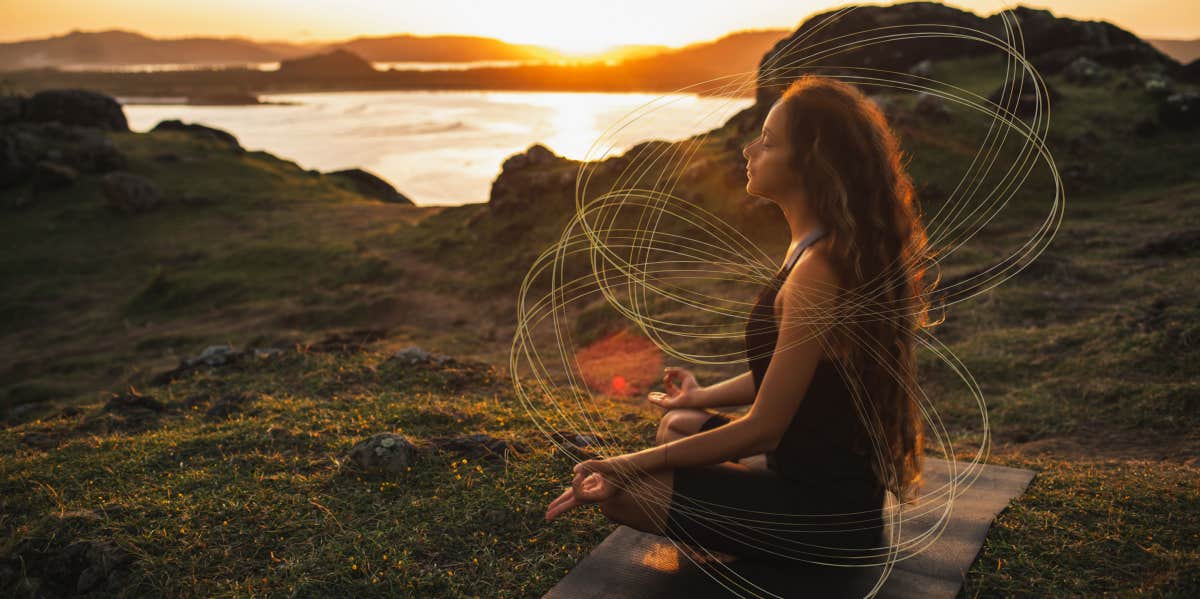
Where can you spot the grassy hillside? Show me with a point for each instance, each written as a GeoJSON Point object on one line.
{"type": "Point", "coordinates": [238, 482]}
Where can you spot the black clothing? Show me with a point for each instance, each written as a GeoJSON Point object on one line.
{"type": "Point", "coordinates": [776, 514]}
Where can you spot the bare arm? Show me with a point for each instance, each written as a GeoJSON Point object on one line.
{"type": "Point", "coordinates": [738, 439]}
{"type": "Point", "coordinates": [733, 391]}
{"type": "Point", "coordinates": [809, 291]}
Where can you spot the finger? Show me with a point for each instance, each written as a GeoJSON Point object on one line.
{"type": "Point", "coordinates": [553, 512]}
{"type": "Point", "coordinates": [561, 498]}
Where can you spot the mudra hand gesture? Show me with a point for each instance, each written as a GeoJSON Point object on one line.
{"type": "Point", "coordinates": [682, 396]}
{"type": "Point", "coordinates": [593, 483]}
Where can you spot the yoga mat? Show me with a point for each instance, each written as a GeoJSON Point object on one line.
{"type": "Point", "coordinates": [630, 563]}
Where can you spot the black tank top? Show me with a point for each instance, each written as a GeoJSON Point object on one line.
{"type": "Point", "coordinates": [819, 440]}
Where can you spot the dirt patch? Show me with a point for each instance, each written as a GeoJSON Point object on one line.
{"type": "Point", "coordinates": [1090, 443]}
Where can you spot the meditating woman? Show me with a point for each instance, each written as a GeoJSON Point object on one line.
{"type": "Point", "coordinates": [834, 420]}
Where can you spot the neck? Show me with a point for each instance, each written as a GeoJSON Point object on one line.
{"type": "Point", "coordinates": [799, 218]}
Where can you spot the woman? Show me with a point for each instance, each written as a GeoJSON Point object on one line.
{"type": "Point", "coordinates": [830, 344]}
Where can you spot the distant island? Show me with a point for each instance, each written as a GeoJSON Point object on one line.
{"type": "Point", "coordinates": [349, 66]}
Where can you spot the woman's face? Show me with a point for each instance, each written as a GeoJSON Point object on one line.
{"type": "Point", "coordinates": [767, 171]}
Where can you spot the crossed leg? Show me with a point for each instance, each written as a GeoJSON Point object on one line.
{"type": "Point", "coordinates": [644, 503]}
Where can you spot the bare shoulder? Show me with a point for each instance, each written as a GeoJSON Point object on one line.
{"type": "Point", "coordinates": [814, 279]}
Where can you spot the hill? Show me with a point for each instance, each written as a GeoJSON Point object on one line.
{"type": "Point", "coordinates": [144, 456]}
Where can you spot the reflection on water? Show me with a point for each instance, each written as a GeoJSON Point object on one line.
{"type": "Point", "coordinates": [274, 66]}
{"type": "Point", "coordinates": [447, 147]}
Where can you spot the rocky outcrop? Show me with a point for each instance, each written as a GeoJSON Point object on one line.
{"type": "Point", "coordinates": [24, 145]}
{"type": "Point", "coordinates": [75, 107]}
{"type": "Point", "coordinates": [534, 179]}
{"type": "Point", "coordinates": [370, 186]}
{"type": "Point", "coordinates": [202, 131]}
{"type": "Point", "coordinates": [1052, 43]}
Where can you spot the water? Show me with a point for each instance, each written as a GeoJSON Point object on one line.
{"type": "Point", "coordinates": [446, 147]}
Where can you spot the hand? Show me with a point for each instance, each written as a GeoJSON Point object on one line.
{"type": "Point", "coordinates": [685, 395]}
{"type": "Point", "coordinates": [593, 488]}
{"type": "Point", "coordinates": [593, 483]}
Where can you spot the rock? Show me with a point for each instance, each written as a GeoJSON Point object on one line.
{"type": "Point", "coordinates": [384, 452]}
{"type": "Point", "coordinates": [134, 403]}
{"type": "Point", "coordinates": [123, 412]}
{"type": "Point", "coordinates": [1085, 71]}
{"type": "Point", "coordinates": [1180, 111]}
{"type": "Point", "coordinates": [355, 340]}
{"type": "Point", "coordinates": [932, 108]}
{"type": "Point", "coordinates": [214, 355]}
{"type": "Point", "coordinates": [48, 176]}
{"type": "Point", "coordinates": [576, 439]}
{"type": "Point", "coordinates": [19, 151]}
{"type": "Point", "coordinates": [91, 568]}
{"type": "Point", "coordinates": [371, 186]}
{"type": "Point", "coordinates": [1051, 43]}
{"type": "Point", "coordinates": [131, 194]}
{"type": "Point", "coordinates": [227, 406]}
{"type": "Point", "coordinates": [415, 355]}
{"type": "Point", "coordinates": [202, 131]}
{"type": "Point", "coordinates": [479, 446]}
{"type": "Point", "coordinates": [533, 174]}
{"type": "Point", "coordinates": [540, 154]}
{"type": "Point", "coordinates": [93, 152]}
{"type": "Point", "coordinates": [267, 352]}
{"type": "Point", "coordinates": [577, 445]}
{"type": "Point", "coordinates": [923, 68]}
{"type": "Point", "coordinates": [76, 107]}
{"type": "Point", "coordinates": [24, 144]}
{"type": "Point", "coordinates": [1157, 85]}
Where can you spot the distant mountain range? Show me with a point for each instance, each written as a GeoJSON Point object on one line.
{"type": "Point", "coordinates": [117, 48]}
{"type": "Point", "coordinates": [1184, 51]}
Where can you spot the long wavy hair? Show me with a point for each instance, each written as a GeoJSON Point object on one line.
{"type": "Point", "coordinates": [851, 169]}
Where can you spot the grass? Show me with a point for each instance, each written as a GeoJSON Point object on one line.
{"type": "Point", "coordinates": [1087, 362]}
{"type": "Point", "coordinates": [261, 505]}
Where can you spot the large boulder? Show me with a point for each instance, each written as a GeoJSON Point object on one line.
{"type": "Point", "coordinates": [370, 185]}
{"type": "Point", "coordinates": [23, 144]}
{"type": "Point", "coordinates": [76, 107]}
{"type": "Point", "coordinates": [202, 131]}
{"type": "Point", "coordinates": [534, 178]}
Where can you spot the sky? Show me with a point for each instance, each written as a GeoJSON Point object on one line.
{"type": "Point", "coordinates": [567, 25]}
